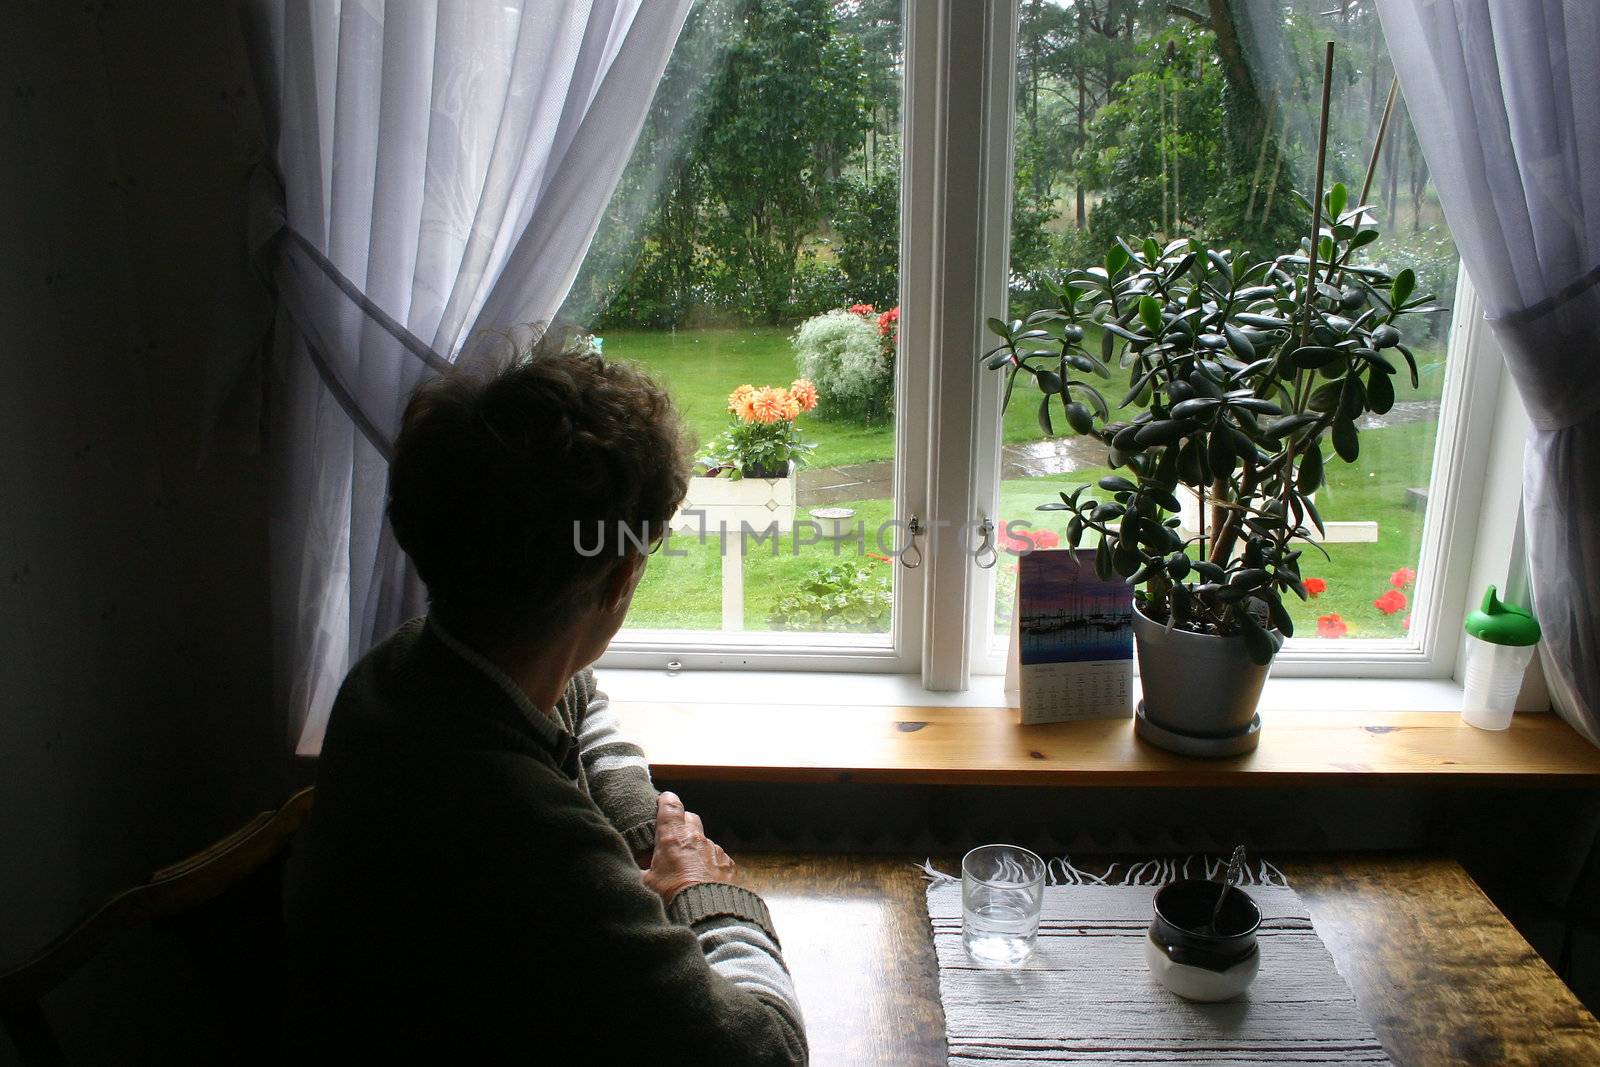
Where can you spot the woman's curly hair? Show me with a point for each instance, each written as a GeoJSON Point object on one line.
{"type": "Point", "coordinates": [509, 474]}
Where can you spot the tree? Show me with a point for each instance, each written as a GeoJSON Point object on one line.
{"type": "Point", "coordinates": [784, 114]}
{"type": "Point", "coordinates": [867, 224]}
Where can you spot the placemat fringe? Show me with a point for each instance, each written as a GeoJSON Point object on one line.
{"type": "Point", "coordinates": [1157, 871]}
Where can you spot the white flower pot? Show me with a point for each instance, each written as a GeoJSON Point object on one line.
{"type": "Point", "coordinates": [728, 502]}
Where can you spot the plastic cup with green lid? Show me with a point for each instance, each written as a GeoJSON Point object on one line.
{"type": "Point", "coordinates": [1501, 642]}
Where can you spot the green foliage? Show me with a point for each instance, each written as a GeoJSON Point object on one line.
{"type": "Point", "coordinates": [1430, 255]}
{"type": "Point", "coordinates": [843, 353]}
{"type": "Point", "coordinates": [1239, 369]}
{"type": "Point", "coordinates": [1159, 151]}
{"type": "Point", "coordinates": [755, 450]}
{"type": "Point", "coordinates": [867, 222]}
{"type": "Point", "coordinates": [841, 596]}
{"type": "Point", "coordinates": [738, 166]}
{"type": "Point", "coordinates": [818, 285]}
{"type": "Point", "coordinates": [785, 110]}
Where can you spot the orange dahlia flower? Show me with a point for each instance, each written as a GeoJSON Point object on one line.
{"type": "Point", "coordinates": [769, 405]}
{"type": "Point", "coordinates": [739, 398]}
{"type": "Point", "coordinates": [805, 392]}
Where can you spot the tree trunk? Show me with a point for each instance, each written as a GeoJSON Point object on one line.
{"type": "Point", "coordinates": [1082, 107]}
{"type": "Point", "coordinates": [1419, 183]}
{"type": "Point", "coordinates": [1391, 169]}
{"type": "Point", "coordinates": [1161, 143]}
{"type": "Point", "coordinates": [1230, 49]}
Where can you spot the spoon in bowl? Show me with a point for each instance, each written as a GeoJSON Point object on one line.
{"type": "Point", "coordinates": [1234, 873]}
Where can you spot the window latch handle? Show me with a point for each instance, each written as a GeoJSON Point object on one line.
{"type": "Point", "coordinates": [986, 546]}
{"type": "Point", "coordinates": [911, 558]}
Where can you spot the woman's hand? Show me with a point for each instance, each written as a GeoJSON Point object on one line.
{"type": "Point", "coordinates": [684, 856]}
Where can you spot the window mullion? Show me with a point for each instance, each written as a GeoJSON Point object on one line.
{"type": "Point", "coordinates": [967, 89]}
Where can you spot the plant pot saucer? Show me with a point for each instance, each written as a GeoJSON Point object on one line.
{"type": "Point", "coordinates": [1189, 745]}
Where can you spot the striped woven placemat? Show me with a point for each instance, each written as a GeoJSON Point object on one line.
{"type": "Point", "coordinates": [1087, 996]}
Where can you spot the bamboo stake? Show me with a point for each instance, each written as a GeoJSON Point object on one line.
{"type": "Point", "coordinates": [1377, 145]}
{"type": "Point", "coordinates": [1377, 148]}
{"type": "Point", "coordinates": [1316, 201]}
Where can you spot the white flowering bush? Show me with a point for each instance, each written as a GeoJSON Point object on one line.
{"type": "Point", "coordinates": [844, 354]}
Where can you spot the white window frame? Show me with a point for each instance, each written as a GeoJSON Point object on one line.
{"type": "Point", "coordinates": [956, 175]}
{"type": "Point", "coordinates": [1461, 461]}
{"type": "Point", "coordinates": [924, 31]}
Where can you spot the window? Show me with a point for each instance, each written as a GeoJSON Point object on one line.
{"type": "Point", "coordinates": [757, 238]}
{"type": "Point", "coordinates": [753, 247]}
{"type": "Point", "coordinates": [1122, 120]}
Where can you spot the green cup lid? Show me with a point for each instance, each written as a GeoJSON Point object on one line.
{"type": "Point", "coordinates": [1502, 624]}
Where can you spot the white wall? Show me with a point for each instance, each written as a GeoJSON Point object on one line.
{"type": "Point", "coordinates": [135, 720]}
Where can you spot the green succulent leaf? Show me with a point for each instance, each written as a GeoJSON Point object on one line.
{"type": "Point", "coordinates": [1078, 418]}
{"type": "Point", "coordinates": [1345, 440]}
{"type": "Point", "coordinates": [1257, 641]}
{"type": "Point", "coordinates": [1405, 283]}
{"type": "Point", "coordinates": [1380, 391]}
{"type": "Point", "coordinates": [1150, 314]}
{"type": "Point", "coordinates": [1338, 196]}
{"type": "Point", "coordinates": [1288, 424]}
{"type": "Point", "coordinates": [1116, 258]}
{"type": "Point", "coordinates": [1239, 342]}
{"type": "Point", "coordinates": [1309, 479]}
{"type": "Point", "coordinates": [1314, 356]}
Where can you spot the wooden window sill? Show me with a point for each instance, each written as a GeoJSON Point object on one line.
{"type": "Point", "coordinates": [985, 746]}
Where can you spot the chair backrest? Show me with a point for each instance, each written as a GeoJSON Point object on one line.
{"type": "Point", "coordinates": [170, 891]}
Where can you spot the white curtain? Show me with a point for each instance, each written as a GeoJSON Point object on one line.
{"type": "Point", "coordinates": [439, 168]}
{"type": "Point", "coordinates": [1505, 97]}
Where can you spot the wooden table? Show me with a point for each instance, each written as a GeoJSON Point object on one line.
{"type": "Point", "coordinates": [1439, 973]}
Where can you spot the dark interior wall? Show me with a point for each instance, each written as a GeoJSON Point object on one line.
{"type": "Point", "coordinates": [135, 724]}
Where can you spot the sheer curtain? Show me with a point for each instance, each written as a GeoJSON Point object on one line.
{"type": "Point", "coordinates": [1505, 96]}
{"type": "Point", "coordinates": [438, 169]}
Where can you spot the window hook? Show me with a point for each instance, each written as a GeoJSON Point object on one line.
{"type": "Point", "coordinates": [907, 560]}
{"type": "Point", "coordinates": [986, 530]}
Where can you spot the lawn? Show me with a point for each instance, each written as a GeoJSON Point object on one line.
{"type": "Point", "coordinates": [701, 367]}
{"type": "Point", "coordinates": [1356, 574]}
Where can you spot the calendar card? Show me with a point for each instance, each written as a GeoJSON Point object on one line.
{"type": "Point", "coordinates": [1072, 640]}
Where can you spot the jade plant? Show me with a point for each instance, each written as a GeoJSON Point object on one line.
{"type": "Point", "coordinates": [1239, 370]}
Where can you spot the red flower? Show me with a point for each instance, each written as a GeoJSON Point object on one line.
{"type": "Point", "coordinates": [862, 309]}
{"type": "Point", "coordinates": [888, 321]}
{"type": "Point", "coordinates": [1402, 577]}
{"type": "Point", "coordinates": [1021, 542]}
{"type": "Point", "coordinates": [1315, 587]}
{"type": "Point", "coordinates": [1389, 603]}
{"type": "Point", "coordinates": [1331, 626]}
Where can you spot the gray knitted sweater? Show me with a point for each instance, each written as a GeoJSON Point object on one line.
{"type": "Point", "coordinates": [466, 887]}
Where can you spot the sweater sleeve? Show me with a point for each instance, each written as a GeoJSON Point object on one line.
{"type": "Point", "coordinates": [703, 977]}
{"type": "Point", "coordinates": [616, 769]}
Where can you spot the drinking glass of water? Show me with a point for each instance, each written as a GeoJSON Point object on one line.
{"type": "Point", "coordinates": [1002, 890]}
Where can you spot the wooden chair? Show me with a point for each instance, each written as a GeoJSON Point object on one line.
{"type": "Point", "coordinates": [171, 891]}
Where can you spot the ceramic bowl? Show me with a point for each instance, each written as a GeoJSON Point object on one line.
{"type": "Point", "coordinates": [1191, 959]}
